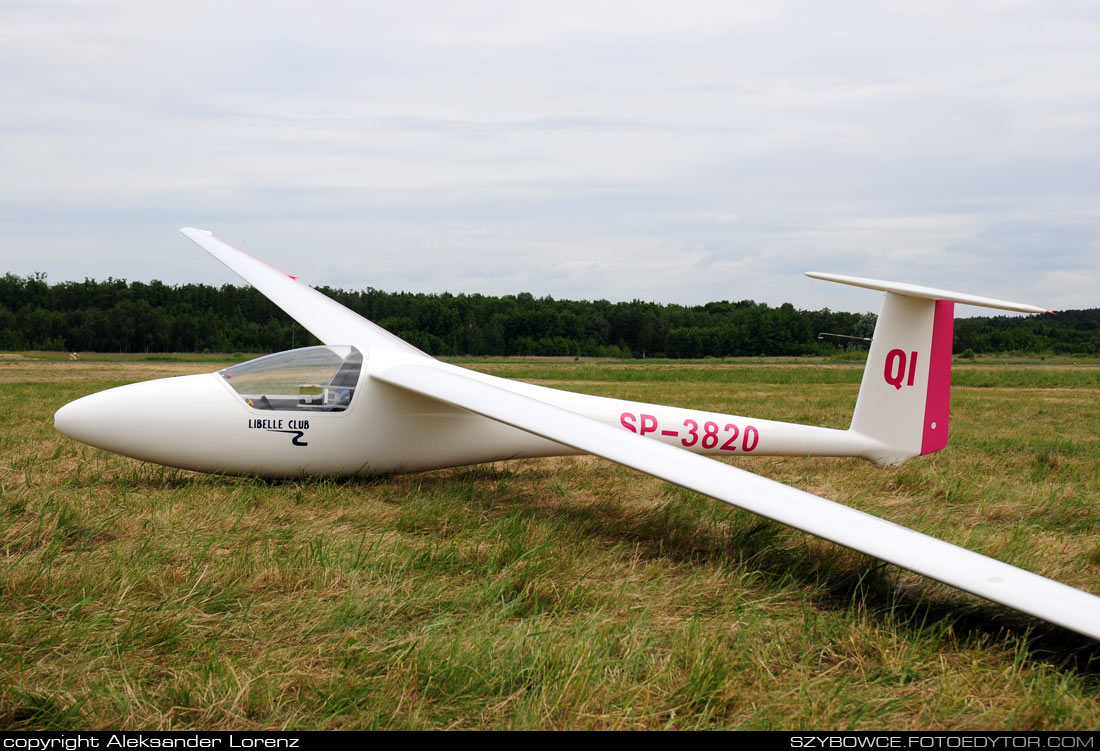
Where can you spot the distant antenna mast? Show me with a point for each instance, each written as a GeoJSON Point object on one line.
{"type": "Point", "coordinates": [824, 334]}
{"type": "Point", "coordinates": [838, 337]}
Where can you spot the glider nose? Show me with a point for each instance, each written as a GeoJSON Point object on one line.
{"type": "Point", "coordinates": [81, 419]}
{"type": "Point", "coordinates": [179, 421]}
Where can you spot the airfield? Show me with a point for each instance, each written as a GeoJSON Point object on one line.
{"type": "Point", "coordinates": [563, 593]}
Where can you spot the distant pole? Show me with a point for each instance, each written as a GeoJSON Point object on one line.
{"type": "Point", "coordinates": [824, 334]}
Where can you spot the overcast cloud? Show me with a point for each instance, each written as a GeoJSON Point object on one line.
{"type": "Point", "coordinates": [678, 152]}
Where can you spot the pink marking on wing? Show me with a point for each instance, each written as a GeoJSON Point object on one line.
{"type": "Point", "coordinates": [937, 405]}
{"type": "Point", "coordinates": [265, 263]}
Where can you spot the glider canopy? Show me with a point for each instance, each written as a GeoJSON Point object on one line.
{"type": "Point", "coordinates": [311, 379]}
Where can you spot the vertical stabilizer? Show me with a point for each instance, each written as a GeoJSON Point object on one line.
{"type": "Point", "coordinates": [905, 397]}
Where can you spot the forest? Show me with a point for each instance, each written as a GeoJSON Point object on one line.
{"type": "Point", "coordinates": [119, 316]}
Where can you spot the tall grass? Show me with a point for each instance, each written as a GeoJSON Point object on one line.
{"type": "Point", "coordinates": [559, 593]}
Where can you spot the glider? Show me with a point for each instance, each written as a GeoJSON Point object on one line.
{"type": "Point", "coordinates": [367, 402]}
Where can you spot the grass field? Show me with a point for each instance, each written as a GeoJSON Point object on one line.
{"type": "Point", "coordinates": [559, 593]}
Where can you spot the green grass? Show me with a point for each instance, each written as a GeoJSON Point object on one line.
{"type": "Point", "coordinates": [558, 593]}
{"type": "Point", "coordinates": [120, 357]}
{"type": "Point", "coordinates": [986, 374]}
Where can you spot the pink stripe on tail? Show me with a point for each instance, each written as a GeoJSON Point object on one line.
{"type": "Point", "coordinates": [937, 405]}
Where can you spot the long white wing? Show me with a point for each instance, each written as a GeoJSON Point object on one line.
{"type": "Point", "coordinates": [959, 567]}
{"type": "Point", "coordinates": [325, 318]}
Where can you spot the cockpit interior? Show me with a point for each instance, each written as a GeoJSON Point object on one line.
{"type": "Point", "coordinates": [311, 379]}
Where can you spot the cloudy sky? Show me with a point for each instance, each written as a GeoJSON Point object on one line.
{"type": "Point", "coordinates": [675, 151]}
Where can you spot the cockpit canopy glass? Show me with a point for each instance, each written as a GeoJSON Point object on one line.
{"type": "Point", "coordinates": [312, 379]}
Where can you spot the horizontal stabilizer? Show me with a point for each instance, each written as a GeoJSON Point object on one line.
{"type": "Point", "coordinates": [927, 293]}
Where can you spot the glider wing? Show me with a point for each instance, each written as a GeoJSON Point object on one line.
{"type": "Point", "coordinates": [322, 316]}
{"type": "Point", "coordinates": [951, 564]}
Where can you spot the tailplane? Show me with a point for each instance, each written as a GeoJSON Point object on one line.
{"type": "Point", "coordinates": [905, 397]}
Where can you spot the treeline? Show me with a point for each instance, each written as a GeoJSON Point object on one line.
{"type": "Point", "coordinates": [119, 316]}
{"type": "Point", "coordinates": [1070, 332]}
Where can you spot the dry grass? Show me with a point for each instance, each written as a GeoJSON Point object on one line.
{"type": "Point", "coordinates": [561, 593]}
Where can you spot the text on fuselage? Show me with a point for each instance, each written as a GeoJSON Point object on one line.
{"type": "Point", "coordinates": [708, 435]}
{"type": "Point", "coordinates": [266, 424]}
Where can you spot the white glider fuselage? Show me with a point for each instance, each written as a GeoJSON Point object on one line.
{"type": "Point", "coordinates": [201, 422]}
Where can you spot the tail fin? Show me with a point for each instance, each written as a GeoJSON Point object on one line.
{"type": "Point", "coordinates": [905, 397]}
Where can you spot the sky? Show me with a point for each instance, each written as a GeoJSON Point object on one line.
{"type": "Point", "coordinates": [679, 152]}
